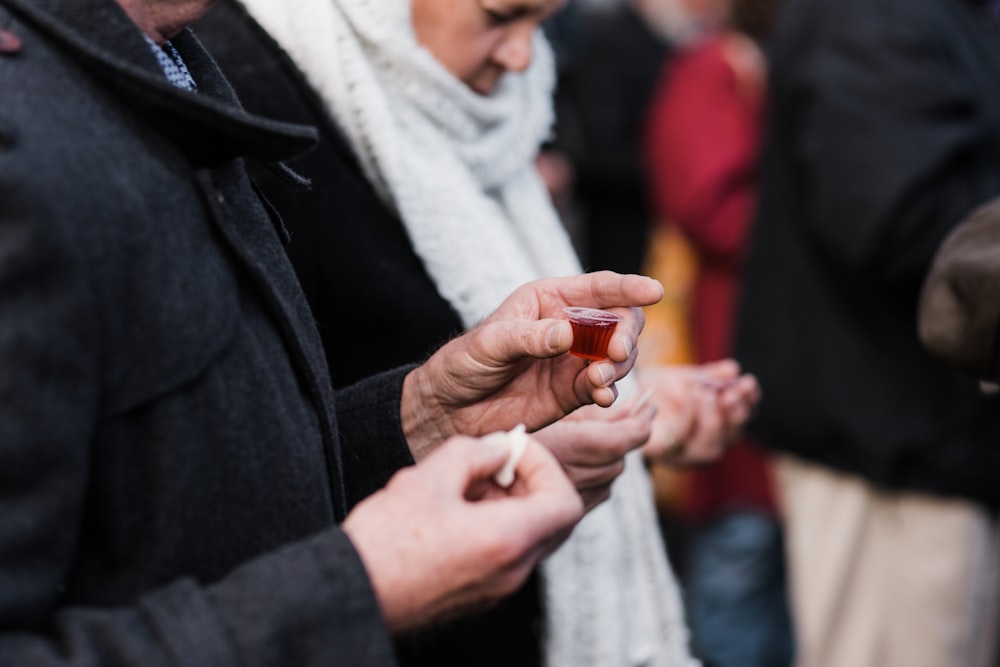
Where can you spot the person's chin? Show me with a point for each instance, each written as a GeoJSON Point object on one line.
{"type": "Point", "coordinates": [484, 86]}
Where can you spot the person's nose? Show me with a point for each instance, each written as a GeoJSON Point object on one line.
{"type": "Point", "coordinates": [514, 52]}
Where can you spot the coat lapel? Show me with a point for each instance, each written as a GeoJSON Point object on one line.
{"type": "Point", "coordinates": [210, 126]}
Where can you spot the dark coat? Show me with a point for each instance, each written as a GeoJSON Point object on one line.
{"type": "Point", "coordinates": [884, 133]}
{"type": "Point", "coordinates": [170, 464]}
{"type": "Point", "coordinates": [375, 304]}
{"type": "Point", "coordinates": [601, 102]}
{"type": "Point", "coordinates": [358, 267]}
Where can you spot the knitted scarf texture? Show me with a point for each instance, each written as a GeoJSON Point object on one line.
{"type": "Point", "coordinates": [458, 169]}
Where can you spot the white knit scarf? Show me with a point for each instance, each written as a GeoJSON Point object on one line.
{"type": "Point", "coordinates": [458, 169]}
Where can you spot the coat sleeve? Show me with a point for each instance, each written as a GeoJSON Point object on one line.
{"type": "Point", "coordinates": [309, 603]}
{"type": "Point", "coordinates": [371, 434]}
{"type": "Point", "coordinates": [889, 134]}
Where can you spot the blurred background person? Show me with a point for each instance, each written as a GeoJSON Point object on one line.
{"type": "Point", "coordinates": [613, 58]}
{"type": "Point", "coordinates": [884, 131]}
{"type": "Point", "coordinates": [701, 146]}
{"type": "Point", "coordinates": [609, 63]}
{"type": "Point", "coordinates": [424, 197]}
{"type": "Point", "coordinates": [610, 55]}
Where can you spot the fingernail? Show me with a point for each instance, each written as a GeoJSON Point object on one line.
{"type": "Point", "coordinates": [607, 374]}
{"type": "Point", "coordinates": [555, 335]}
{"type": "Point", "coordinates": [628, 346]}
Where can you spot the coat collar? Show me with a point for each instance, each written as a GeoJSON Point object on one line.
{"type": "Point", "coordinates": [210, 126]}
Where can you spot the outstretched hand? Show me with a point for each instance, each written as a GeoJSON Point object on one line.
{"type": "Point", "coordinates": [513, 368]}
{"type": "Point", "coordinates": [701, 410]}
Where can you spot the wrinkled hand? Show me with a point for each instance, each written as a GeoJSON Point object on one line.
{"type": "Point", "coordinates": [442, 537]}
{"type": "Point", "coordinates": [701, 410]}
{"type": "Point", "coordinates": [591, 445]}
{"type": "Point", "coordinates": [513, 368]}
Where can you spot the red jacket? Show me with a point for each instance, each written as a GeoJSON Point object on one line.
{"type": "Point", "coordinates": [701, 149]}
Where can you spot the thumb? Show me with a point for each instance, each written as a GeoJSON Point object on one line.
{"type": "Point", "coordinates": [501, 343]}
{"type": "Point", "coordinates": [464, 460]}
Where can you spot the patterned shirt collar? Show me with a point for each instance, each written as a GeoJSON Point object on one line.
{"type": "Point", "coordinates": [173, 65]}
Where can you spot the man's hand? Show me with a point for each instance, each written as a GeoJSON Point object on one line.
{"type": "Point", "coordinates": [701, 410]}
{"type": "Point", "coordinates": [514, 369]}
{"type": "Point", "coordinates": [591, 445]}
{"type": "Point", "coordinates": [442, 537]}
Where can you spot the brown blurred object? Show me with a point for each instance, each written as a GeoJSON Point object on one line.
{"type": "Point", "coordinates": [667, 338]}
{"type": "Point", "coordinates": [754, 18]}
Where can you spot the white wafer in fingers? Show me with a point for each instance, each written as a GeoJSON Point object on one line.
{"type": "Point", "coordinates": [641, 402]}
{"type": "Point", "coordinates": [518, 439]}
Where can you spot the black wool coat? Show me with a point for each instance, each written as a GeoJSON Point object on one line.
{"type": "Point", "coordinates": [171, 466]}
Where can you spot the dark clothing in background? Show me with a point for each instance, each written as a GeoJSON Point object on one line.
{"type": "Point", "coordinates": [375, 305]}
{"type": "Point", "coordinates": [884, 133]}
{"type": "Point", "coordinates": [600, 106]}
{"type": "Point", "coordinates": [171, 467]}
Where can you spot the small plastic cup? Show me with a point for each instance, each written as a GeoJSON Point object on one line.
{"type": "Point", "coordinates": [592, 331]}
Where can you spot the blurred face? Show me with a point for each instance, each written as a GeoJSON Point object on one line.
{"type": "Point", "coordinates": [479, 40]}
{"type": "Point", "coordinates": [682, 20]}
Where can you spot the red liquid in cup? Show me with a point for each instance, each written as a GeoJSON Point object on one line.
{"type": "Point", "coordinates": [592, 331]}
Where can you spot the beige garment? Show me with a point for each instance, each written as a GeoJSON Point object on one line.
{"type": "Point", "coordinates": [881, 579]}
